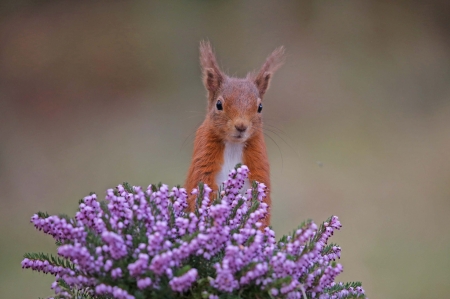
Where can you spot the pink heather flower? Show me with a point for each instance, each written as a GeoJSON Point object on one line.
{"type": "Point", "coordinates": [43, 266]}
{"type": "Point", "coordinates": [116, 273]}
{"type": "Point", "coordinates": [79, 254]}
{"type": "Point", "coordinates": [144, 236]}
{"type": "Point", "coordinates": [117, 292]}
{"type": "Point", "coordinates": [59, 228]}
{"type": "Point", "coordinates": [144, 283]}
{"type": "Point", "coordinates": [116, 244]}
{"type": "Point", "coordinates": [225, 280]}
{"type": "Point", "coordinates": [183, 282]}
{"type": "Point", "coordinates": [108, 265]}
{"type": "Point", "coordinates": [258, 271]}
{"type": "Point", "coordinates": [139, 266]}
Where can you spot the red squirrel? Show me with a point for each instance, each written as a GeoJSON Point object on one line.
{"type": "Point", "coordinates": [232, 131]}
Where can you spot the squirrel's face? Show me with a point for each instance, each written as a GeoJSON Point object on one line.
{"type": "Point", "coordinates": [234, 105]}
{"type": "Point", "coordinates": [236, 111]}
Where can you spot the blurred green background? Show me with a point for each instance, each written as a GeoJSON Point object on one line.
{"type": "Point", "coordinates": [357, 121]}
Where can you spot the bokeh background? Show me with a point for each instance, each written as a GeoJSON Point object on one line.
{"type": "Point", "coordinates": [357, 121]}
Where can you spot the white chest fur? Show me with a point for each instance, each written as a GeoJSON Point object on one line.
{"type": "Point", "coordinates": [232, 155]}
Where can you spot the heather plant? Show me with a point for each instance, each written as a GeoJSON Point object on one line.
{"type": "Point", "coordinates": [142, 243]}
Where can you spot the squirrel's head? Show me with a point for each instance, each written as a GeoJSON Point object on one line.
{"type": "Point", "coordinates": [235, 104]}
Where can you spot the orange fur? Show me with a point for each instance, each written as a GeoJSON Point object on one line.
{"type": "Point", "coordinates": [237, 122]}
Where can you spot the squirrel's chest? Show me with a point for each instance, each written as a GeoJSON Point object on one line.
{"type": "Point", "coordinates": [232, 155]}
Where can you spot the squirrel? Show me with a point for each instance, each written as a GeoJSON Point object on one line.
{"type": "Point", "coordinates": [232, 131]}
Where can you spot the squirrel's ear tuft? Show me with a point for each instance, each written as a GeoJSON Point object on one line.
{"type": "Point", "coordinates": [263, 76]}
{"type": "Point", "coordinates": [212, 75]}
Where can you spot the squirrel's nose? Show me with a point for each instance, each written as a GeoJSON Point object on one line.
{"type": "Point", "coordinates": [241, 127]}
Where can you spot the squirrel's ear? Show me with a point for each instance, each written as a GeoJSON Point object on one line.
{"type": "Point", "coordinates": [212, 75]}
{"type": "Point", "coordinates": [263, 76]}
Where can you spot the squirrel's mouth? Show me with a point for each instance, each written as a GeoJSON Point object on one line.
{"type": "Point", "coordinates": [240, 137]}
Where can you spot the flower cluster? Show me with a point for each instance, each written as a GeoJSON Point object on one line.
{"type": "Point", "coordinates": [143, 243]}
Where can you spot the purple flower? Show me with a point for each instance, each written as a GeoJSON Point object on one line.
{"type": "Point", "coordinates": [116, 273]}
{"type": "Point", "coordinates": [59, 228]}
{"type": "Point", "coordinates": [144, 236]}
{"type": "Point", "coordinates": [115, 291]}
{"type": "Point", "coordinates": [144, 283]}
{"type": "Point", "coordinates": [78, 254]}
{"type": "Point", "coordinates": [139, 266]}
{"type": "Point", "coordinates": [43, 266]}
{"type": "Point", "coordinates": [256, 272]}
{"type": "Point", "coordinates": [179, 202]}
{"type": "Point", "coordinates": [225, 280]}
{"type": "Point", "coordinates": [115, 244]}
{"type": "Point", "coordinates": [183, 282]}
{"type": "Point", "coordinates": [90, 213]}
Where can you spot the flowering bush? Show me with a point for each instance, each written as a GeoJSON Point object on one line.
{"type": "Point", "coordinates": [141, 243]}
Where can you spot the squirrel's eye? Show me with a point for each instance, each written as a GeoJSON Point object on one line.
{"type": "Point", "coordinates": [219, 105]}
{"type": "Point", "coordinates": [259, 108]}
